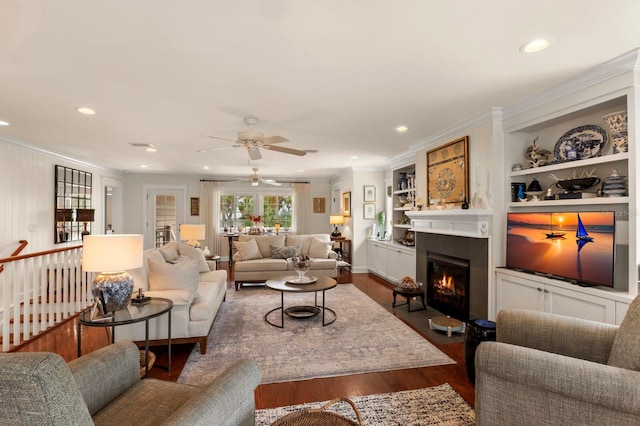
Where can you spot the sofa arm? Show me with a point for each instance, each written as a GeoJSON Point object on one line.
{"type": "Point", "coordinates": [227, 400]}
{"type": "Point", "coordinates": [573, 337]}
{"type": "Point", "coordinates": [213, 265]}
{"type": "Point", "coordinates": [517, 385]}
{"type": "Point", "coordinates": [106, 373]}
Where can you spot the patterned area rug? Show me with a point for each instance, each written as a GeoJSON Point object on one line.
{"type": "Point", "coordinates": [364, 338]}
{"type": "Point", "coordinates": [440, 405]}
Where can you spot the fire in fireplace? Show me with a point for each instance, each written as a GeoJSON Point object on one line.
{"type": "Point", "coordinates": [448, 285]}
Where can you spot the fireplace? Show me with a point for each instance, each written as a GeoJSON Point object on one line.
{"type": "Point", "coordinates": [448, 285]}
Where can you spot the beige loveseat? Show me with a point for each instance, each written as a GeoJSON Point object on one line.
{"type": "Point", "coordinates": [261, 257]}
{"type": "Point", "coordinates": [180, 273]}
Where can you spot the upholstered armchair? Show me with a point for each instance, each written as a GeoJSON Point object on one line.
{"type": "Point", "coordinates": [104, 387]}
{"type": "Point", "coordinates": [548, 369]}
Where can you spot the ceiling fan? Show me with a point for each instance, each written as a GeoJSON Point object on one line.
{"type": "Point", "coordinates": [255, 179]}
{"type": "Point", "coordinates": [253, 140]}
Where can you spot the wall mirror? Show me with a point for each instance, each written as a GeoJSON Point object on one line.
{"type": "Point", "coordinates": [73, 212]}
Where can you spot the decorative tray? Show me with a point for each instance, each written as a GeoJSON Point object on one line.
{"type": "Point", "coordinates": [580, 143]}
{"type": "Point", "coordinates": [305, 280]}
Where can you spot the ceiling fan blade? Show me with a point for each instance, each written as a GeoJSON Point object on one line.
{"type": "Point", "coordinates": [270, 182]}
{"type": "Point", "coordinates": [285, 150]}
{"type": "Point", "coordinates": [222, 139]}
{"type": "Point", "coordinates": [254, 153]}
{"type": "Point", "coordinates": [274, 139]}
{"type": "Point", "coordinates": [217, 148]}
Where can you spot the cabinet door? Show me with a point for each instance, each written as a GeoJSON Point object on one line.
{"type": "Point", "coordinates": [518, 293]}
{"type": "Point", "coordinates": [576, 304]}
{"type": "Point", "coordinates": [376, 259]}
{"type": "Point", "coordinates": [400, 264]}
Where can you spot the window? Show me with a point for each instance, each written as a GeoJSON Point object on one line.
{"type": "Point", "coordinates": [238, 209]}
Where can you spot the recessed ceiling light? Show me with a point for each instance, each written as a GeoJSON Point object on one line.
{"type": "Point", "coordinates": [535, 45]}
{"type": "Point", "coordinates": [206, 167]}
{"type": "Point", "coordinates": [300, 170]}
{"type": "Point", "coordinates": [4, 123]}
{"type": "Point", "coordinates": [354, 157]}
{"type": "Point", "coordinates": [144, 166]}
{"type": "Point", "coordinates": [402, 129]}
{"type": "Point", "coordinates": [86, 111]}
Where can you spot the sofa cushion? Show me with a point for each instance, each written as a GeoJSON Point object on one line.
{"type": "Point", "coordinates": [169, 252]}
{"type": "Point", "coordinates": [285, 252]}
{"type": "Point", "coordinates": [260, 265]}
{"type": "Point", "coordinates": [141, 275]}
{"type": "Point", "coordinates": [248, 249]}
{"type": "Point", "coordinates": [304, 241]}
{"type": "Point", "coordinates": [264, 242]}
{"type": "Point", "coordinates": [319, 249]}
{"type": "Point", "coordinates": [179, 276]}
{"type": "Point", "coordinates": [194, 254]}
{"type": "Point", "coordinates": [625, 351]}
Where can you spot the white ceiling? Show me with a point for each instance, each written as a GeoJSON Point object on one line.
{"type": "Point", "coordinates": [335, 76]}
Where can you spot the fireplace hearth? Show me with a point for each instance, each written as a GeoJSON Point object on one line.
{"type": "Point", "coordinates": [448, 285]}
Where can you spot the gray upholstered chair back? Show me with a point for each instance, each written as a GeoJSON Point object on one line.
{"type": "Point", "coordinates": [39, 389]}
{"type": "Point", "coordinates": [625, 352]}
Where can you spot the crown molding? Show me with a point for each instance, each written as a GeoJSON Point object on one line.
{"type": "Point", "coordinates": [625, 63]}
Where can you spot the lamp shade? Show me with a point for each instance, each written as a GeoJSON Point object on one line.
{"type": "Point", "coordinates": [192, 232]}
{"type": "Point", "coordinates": [111, 253]}
{"type": "Point", "coordinates": [336, 220]}
{"type": "Point", "coordinates": [85, 215]}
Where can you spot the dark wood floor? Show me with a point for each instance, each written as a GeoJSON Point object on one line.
{"type": "Point", "coordinates": [63, 340]}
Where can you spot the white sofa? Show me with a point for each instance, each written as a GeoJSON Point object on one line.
{"type": "Point", "coordinates": [180, 273]}
{"type": "Point", "coordinates": [261, 257]}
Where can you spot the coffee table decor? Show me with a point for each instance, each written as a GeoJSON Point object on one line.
{"type": "Point", "coordinates": [410, 289]}
{"type": "Point", "coordinates": [301, 265]}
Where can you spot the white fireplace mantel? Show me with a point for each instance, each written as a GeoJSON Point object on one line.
{"type": "Point", "coordinates": [475, 223]}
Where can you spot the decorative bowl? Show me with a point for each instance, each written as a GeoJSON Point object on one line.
{"type": "Point", "coordinates": [575, 185]}
{"type": "Point", "coordinates": [301, 265]}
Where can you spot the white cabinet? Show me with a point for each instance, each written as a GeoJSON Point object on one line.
{"type": "Point", "coordinates": [515, 291]}
{"type": "Point", "coordinates": [390, 261]}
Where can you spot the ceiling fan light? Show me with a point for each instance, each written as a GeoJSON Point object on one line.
{"type": "Point", "coordinates": [254, 183]}
{"type": "Point", "coordinates": [536, 45]}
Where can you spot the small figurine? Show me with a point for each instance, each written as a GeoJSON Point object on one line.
{"type": "Point", "coordinates": [537, 156]}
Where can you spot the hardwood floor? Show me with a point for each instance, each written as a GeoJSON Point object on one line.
{"type": "Point", "coordinates": [63, 340]}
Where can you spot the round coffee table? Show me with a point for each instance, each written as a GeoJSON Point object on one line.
{"type": "Point", "coordinates": [283, 286]}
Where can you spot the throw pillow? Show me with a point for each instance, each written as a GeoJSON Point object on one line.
{"type": "Point", "coordinates": [178, 276]}
{"type": "Point", "coordinates": [319, 249]}
{"type": "Point", "coordinates": [169, 251]}
{"type": "Point", "coordinates": [625, 351]}
{"type": "Point", "coordinates": [248, 250]}
{"type": "Point", "coordinates": [194, 254]}
{"type": "Point", "coordinates": [284, 252]}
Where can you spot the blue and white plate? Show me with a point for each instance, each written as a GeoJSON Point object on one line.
{"type": "Point", "coordinates": [581, 143]}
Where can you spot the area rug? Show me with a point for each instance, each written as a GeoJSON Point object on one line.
{"type": "Point", "coordinates": [440, 405]}
{"type": "Point", "coordinates": [364, 338]}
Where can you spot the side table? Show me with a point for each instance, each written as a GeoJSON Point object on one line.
{"type": "Point", "coordinates": [133, 313]}
{"type": "Point", "coordinates": [409, 293]}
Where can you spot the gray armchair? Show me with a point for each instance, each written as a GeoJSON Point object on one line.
{"type": "Point", "coordinates": [548, 369]}
{"type": "Point", "coordinates": [104, 387]}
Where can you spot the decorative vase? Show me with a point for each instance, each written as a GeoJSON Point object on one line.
{"type": "Point", "coordinates": [206, 252]}
{"type": "Point", "coordinates": [617, 122]}
{"type": "Point", "coordinates": [402, 181]}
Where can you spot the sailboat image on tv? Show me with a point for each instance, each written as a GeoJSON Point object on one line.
{"type": "Point", "coordinates": [582, 236]}
{"type": "Point", "coordinates": [553, 235]}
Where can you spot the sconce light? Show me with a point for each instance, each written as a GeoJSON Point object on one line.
{"type": "Point", "coordinates": [111, 256]}
{"type": "Point", "coordinates": [86, 216]}
{"type": "Point", "coordinates": [336, 220]}
{"type": "Point", "coordinates": [192, 233]}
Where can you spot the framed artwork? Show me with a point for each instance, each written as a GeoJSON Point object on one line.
{"type": "Point", "coordinates": [448, 173]}
{"type": "Point", "coordinates": [319, 204]}
{"type": "Point", "coordinates": [195, 206]}
{"type": "Point", "coordinates": [369, 193]}
{"type": "Point", "coordinates": [369, 210]}
{"type": "Point", "coordinates": [346, 204]}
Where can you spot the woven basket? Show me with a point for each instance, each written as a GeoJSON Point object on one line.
{"type": "Point", "coordinates": [319, 416]}
{"type": "Point", "coordinates": [152, 359]}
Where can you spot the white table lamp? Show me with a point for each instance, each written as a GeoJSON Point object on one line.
{"type": "Point", "coordinates": [111, 255]}
{"type": "Point", "coordinates": [192, 233]}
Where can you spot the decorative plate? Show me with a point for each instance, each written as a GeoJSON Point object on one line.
{"type": "Point", "coordinates": [580, 143]}
{"type": "Point", "coordinates": [305, 280]}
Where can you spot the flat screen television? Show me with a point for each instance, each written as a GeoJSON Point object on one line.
{"type": "Point", "coordinates": [575, 246]}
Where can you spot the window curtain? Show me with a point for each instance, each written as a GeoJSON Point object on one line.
{"type": "Point", "coordinates": [210, 211]}
{"type": "Point", "coordinates": [302, 207]}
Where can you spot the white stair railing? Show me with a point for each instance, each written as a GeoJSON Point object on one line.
{"type": "Point", "coordinates": [40, 290]}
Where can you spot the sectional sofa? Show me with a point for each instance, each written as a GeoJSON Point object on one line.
{"type": "Point", "coordinates": [261, 257]}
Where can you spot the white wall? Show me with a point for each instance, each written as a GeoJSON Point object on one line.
{"type": "Point", "coordinates": [27, 196]}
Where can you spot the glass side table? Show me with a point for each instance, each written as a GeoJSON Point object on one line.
{"type": "Point", "coordinates": [132, 314]}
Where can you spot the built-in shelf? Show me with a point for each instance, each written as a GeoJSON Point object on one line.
{"type": "Point", "coordinates": [574, 202]}
{"type": "Point", "coordinates": [570, 165]}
